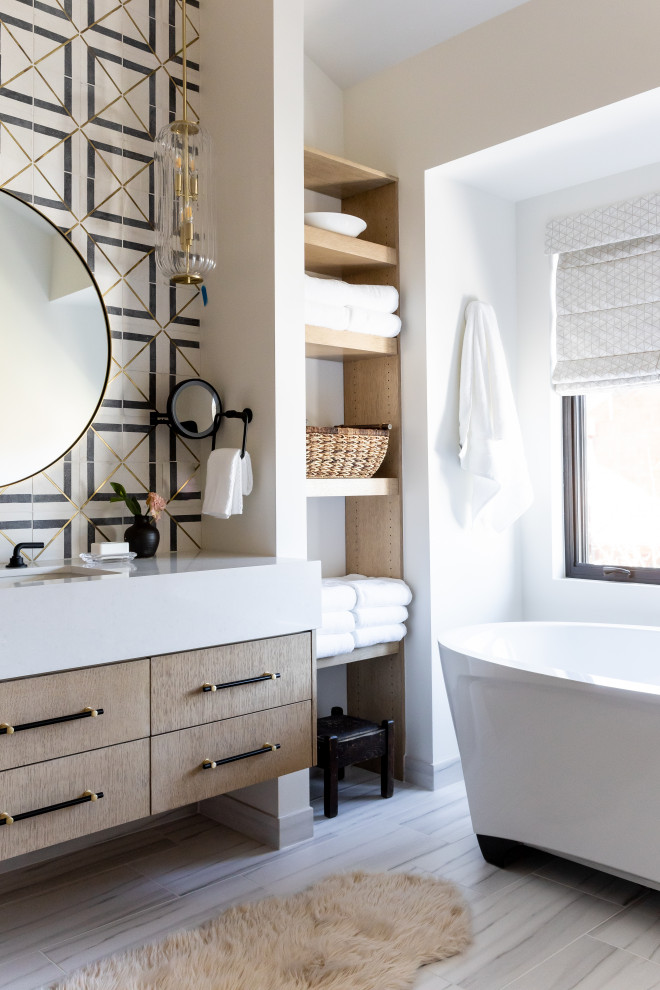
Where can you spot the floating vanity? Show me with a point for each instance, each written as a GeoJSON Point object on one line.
{"type": "Point", "coordinates": [171, 680]}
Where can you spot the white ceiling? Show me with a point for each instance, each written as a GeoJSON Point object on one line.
{"type": "Point", "coordinates": [354, 39]}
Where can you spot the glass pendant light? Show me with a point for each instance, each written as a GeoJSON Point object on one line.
{"type": "Point", "coordinates": [185, 228]}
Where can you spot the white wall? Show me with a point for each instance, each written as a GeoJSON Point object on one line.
{"type": "Point", "coordinates": [547, 594]}
{"type": "Point", "coordinates": [543, 62]}
{"type": "Point", "coordinates": [474, 573]}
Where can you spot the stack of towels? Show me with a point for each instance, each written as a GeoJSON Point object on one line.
{"type": "Point", "coordinates": [361, 611]}
{"type": "Point", "coordinates": [359, 308]}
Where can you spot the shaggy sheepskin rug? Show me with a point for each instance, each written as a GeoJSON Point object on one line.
{"type": "Point", "coordinates": [352, 931]}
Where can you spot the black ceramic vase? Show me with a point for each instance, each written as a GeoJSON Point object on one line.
{"type": "Point", "coordinates": [142, 537]}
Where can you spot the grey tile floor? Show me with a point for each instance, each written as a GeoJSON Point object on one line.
{"type": "Point", "coordinates": [543, 924]}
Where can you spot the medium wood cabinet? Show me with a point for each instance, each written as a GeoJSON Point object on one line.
{"type": "Point", "coordinates": [372, 394]}
{"type": "Point", "coordinates": [88, 749]}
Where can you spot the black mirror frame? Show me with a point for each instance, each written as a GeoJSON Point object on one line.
{"type": "Point", "coordinates": [176, 423]}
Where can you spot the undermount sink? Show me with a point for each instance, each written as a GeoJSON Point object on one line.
{"type": "Point", "coordinates": [38, 574]}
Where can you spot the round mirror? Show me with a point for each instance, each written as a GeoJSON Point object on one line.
{"type": "Point", "coordinates": [194, 408]}
{"type": "Point", "coordinates": [55, 342]}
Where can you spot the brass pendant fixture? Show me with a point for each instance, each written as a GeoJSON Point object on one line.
{"type": "Point", "coordinates": [185, 228]}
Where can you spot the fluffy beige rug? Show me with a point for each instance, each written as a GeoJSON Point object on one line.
{"type": "Point", "coordinates": [354, 931]}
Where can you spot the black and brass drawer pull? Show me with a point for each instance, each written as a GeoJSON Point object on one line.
{"type": "Point", "coordinates": [267, 676]}
{"type": "Point", "coordinates": [266, 748]}
{"type": "Point", "coordinates": [8, 730]}
{"type": "Point", "coordinates": [6, 819]}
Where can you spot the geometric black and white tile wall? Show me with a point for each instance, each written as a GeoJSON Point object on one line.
{"type": "Point", "coordinates": [85, 85]}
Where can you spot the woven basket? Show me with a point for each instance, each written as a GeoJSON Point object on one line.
{"type": "Point", "coordinates": [346, 451]}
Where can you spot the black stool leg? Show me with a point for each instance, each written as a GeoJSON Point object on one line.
{"type": "Point", "coordinates": [387, 760]}
{"type": "Point", "coordinates": [340, 773]}
{"type": "Point", "coordinates": [330, 774]}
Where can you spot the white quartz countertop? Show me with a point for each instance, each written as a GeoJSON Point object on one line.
{"type": "Point", "coordinates": [168, 604]}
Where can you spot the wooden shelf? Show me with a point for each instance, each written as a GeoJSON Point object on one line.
{"type": "Point", "coordinates": [338, 177]}
{"type": "Point", "coordinates": [338, 487]}
{"type": "Point", "coordinates": [331, 254]}
{"type": "Point", "coordinates": [362, 653]}
{"type": "Point", "coordinates": [341, 345]}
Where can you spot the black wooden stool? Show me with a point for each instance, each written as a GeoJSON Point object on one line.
{"type": "Point", "coordinates": [343, 740]}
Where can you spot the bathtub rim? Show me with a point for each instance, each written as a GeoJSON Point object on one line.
{"type": "Point", "coordinates": [453, 638]}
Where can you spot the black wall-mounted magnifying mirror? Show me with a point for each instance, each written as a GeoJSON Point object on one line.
{"type": "Point", "coordinates": [194, 410]}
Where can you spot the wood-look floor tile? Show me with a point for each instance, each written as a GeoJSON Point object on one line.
{"type": "Point", "coordinates": [520, 927]}
{"type": "Point", "coordinates": [28, 972]}
{"type": "Point", "coordinates": [590, 881]}
{"type": "Point", "coordinates": [590, 965]}
{"type": "Point", "coordinates": [636, 929]}
{"type": "Point", "coordinates": [463, 863]}
{"type": "Point", "coordinates": [152, 924]}
{"type": "Point", "coordinates": [92, 901]}
{"type": "Point", "coordinates": [202, 858]}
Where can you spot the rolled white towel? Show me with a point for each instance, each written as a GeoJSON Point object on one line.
{"type": "Point", "coordinates": [380, 615]}
{"type": "Point", "coordinates": [372, 321]}
{"type": "Point", "coordinates": [379, 634]}
{"type": "Point", "coordinates": [336, 622]}
{"type": "Point", "coordinates": [328, 646]}
{"type": "Point", "coordinates": [318, 314]}
{"type": "Point", "coordinates": [337, 595]}
{"type": "Point", "coordinates": [383, 298]}
{"type": "Point", "coordinates": [334, 292]}
{"type": "Point", "coordinates": [378, 591]}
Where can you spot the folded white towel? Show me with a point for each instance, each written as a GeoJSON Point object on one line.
{"type": "Point", "coordinates": [334, 292]}
{"type": "Point", "coordinates": [228, 478]}
{"type": "Point", "coordinates": [380, 615]}
{"type": "Point", "coordinates": [328, 646]}
{"type": "Point", "coordinates": [337, 595]}
{"type": "Point", "coordinates": [379, 591]}
{"type": "Point", "coordinates": [489, 431]}
{"type": "Point", "coordinates": [379, 634]}
{"type": "Point", "coordinates": [383, 298]}
{"type": "Point", "coordinates": [336, 622]}
{"type": "Point", "coordinates": [318, 314]}
{"type": "Point", "coordinates": [371, 321]}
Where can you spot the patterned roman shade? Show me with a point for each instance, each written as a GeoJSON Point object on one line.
{"type": "Point", "coordinates": [607, 296]}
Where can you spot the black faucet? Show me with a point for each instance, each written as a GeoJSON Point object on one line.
{"type": "Point", "coordinates": [16, 560]}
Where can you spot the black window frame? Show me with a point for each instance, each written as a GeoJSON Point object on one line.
{"type": "Point", "coordinates": [575, 530]}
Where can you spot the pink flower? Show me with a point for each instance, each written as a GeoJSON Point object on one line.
{"type": "Point", "coordinates": [155, 505]}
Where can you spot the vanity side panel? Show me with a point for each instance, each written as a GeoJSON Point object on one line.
{"type": "Point", "coordinates": [120, 772]}
{"type": "Point", "coordinates": [177, 757]}
{"type": "Point", "coordinates": [178, 701]}
{"type": "Point", "coordinates": [121, 690]}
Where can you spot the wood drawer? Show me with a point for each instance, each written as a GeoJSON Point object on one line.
{"type": "Point", "coordinates": [121, 690]}
{"type": "Point", "coordinates": [177, 679]}
{"type": "Point", "coordinates": [177, 776]}
{"type": "Point", "coordinates": [121, 773]}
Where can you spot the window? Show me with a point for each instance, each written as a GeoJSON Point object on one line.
{"type": "Point", "coordinates": [612, 484]}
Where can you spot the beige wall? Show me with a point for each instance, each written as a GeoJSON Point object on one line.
{"type": "Point", "coordinates": [541, 63]}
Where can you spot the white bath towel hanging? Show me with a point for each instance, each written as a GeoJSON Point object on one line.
{"type": "Point", "coordinates": [489, 431]}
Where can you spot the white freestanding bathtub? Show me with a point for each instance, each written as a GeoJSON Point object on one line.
{"type": "Point", "coordinates": [558, 727]}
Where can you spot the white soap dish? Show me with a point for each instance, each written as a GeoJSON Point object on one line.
{"type": "Point", "coordinates": [107, 558]}
{"type": "Point", "coordinates": [340, 223]}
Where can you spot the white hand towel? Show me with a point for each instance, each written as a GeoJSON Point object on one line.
{"type": "Point", "coordinates": [381, 615]}
{"type": "Point", "coordinates": [379, 634]}
{"type": "Point", "coordinates": [489, 431]}
{"type": "Point", "coordinates": [379, 591]}
{"type": "Point", "coordinates": [243, 484]}
{"type": "Point", "coordinates": [318, 314]}
{"type": "Point", "coordinates": [328, 646]}
{"type": "Point", "coordinates": [336, 595]}
{"type": "Point", "coordinates": [248, 479]}
{"type": "Point", "coordinates": [336, 622]}
{"type": "Point", "coordinates": [371, 321]}
{"type": "Point", "coordinates": [223, 483]}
